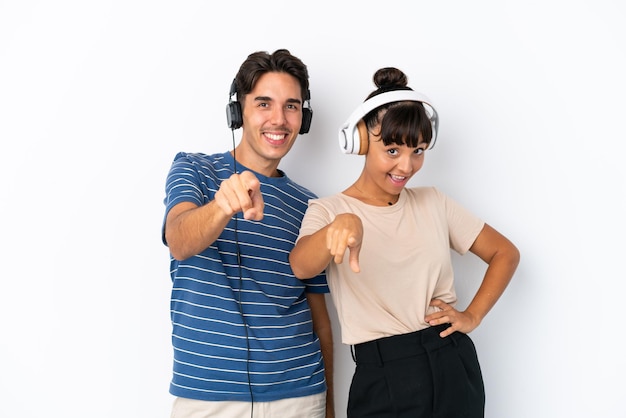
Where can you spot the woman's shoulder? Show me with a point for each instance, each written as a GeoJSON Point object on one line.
{"type": "Point", "coordinates": [330, 200]}
{"type": "Point", "coordinates": [427, 196]}
{"type": "Point", "coordinates": [424, 192]}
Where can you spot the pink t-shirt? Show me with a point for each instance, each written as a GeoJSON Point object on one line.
{"type": "Point", "coordinates": [405, 260]}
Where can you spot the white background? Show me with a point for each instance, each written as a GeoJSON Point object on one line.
{"type": "Point", "coordinates": [96, 97]}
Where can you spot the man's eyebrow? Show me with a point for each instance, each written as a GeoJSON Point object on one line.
{"type": "Point", "coordinates": [269, 99]}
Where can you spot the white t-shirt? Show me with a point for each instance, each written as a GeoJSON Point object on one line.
{"type": "Point", "coordinates": [405, 260]}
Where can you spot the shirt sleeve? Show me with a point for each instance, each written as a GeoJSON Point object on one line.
{"type": "Point", "coordinates": [315, 218]}
{"type": "Point", "coordinates": [463, 225]}
{"type": "Point", "coordinates": [182, 184]}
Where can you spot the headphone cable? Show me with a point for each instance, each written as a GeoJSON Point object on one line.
{"type": "Point", "coordinates": [243, 319]}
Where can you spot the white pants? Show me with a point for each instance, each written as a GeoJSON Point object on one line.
{"type": "Point", "coordinates": [313, 406]}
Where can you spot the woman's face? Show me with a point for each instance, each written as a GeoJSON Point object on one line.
{"type": "Point", "coordinates": [390, 167]}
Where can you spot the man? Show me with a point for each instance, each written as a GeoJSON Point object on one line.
{"type": "Point", "coordinates": [248, 336]}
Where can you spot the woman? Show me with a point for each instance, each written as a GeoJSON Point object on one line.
{"type": "Point", "coordinates": [395, 295]}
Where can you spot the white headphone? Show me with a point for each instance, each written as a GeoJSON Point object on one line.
{"type": "Point", "coordinates": [353, 133]}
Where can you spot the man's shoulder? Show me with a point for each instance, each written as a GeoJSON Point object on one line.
{"type": "Point", "coordinates": [206, 163]}
{"type": "Point", "coordinates": [300, 190]}
{"type": "Point", "coordinates": [202, 157]}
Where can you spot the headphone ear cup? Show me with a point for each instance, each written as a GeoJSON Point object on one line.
{"type": "Point", "coordinates": [307, 116]}
{"type": "Point", "coordinates": [233, 115]}
{"type": "Point", "coordinates": [363, 137]}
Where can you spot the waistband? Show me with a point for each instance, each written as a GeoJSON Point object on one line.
{"type": "Point", "coordinates": [402, 346]}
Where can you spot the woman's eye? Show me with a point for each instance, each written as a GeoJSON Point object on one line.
{"type": "Point", "coordinates": [392, 151]}
{"type": "Point", "coordinates": [419, 151]}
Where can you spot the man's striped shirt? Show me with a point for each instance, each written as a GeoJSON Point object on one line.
{"type": "Point", "coordinates": [242, 327]}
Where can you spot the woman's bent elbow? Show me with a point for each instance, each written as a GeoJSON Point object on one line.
{"type": "Point", "coordinates": [299, 273]}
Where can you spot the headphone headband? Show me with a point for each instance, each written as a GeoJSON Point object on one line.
{"type": "Point", "coordinates": [349, 138]}
{"type": "Point", "coordinates": [234, 113]}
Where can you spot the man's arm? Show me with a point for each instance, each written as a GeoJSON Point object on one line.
{"type": "Point", "coordinates": [323, 329]}
{"type": "Point", "coordinates": [190, 229]}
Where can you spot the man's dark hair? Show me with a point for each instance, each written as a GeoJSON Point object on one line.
{"type": "Point", "coordinates": [261, 62]}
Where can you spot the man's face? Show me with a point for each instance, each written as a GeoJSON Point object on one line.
{"type": "Point", "coordinates": [272, 115]}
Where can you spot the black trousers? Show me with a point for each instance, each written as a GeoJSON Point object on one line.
{"type": "Point", "coordinates": [417, 375]}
